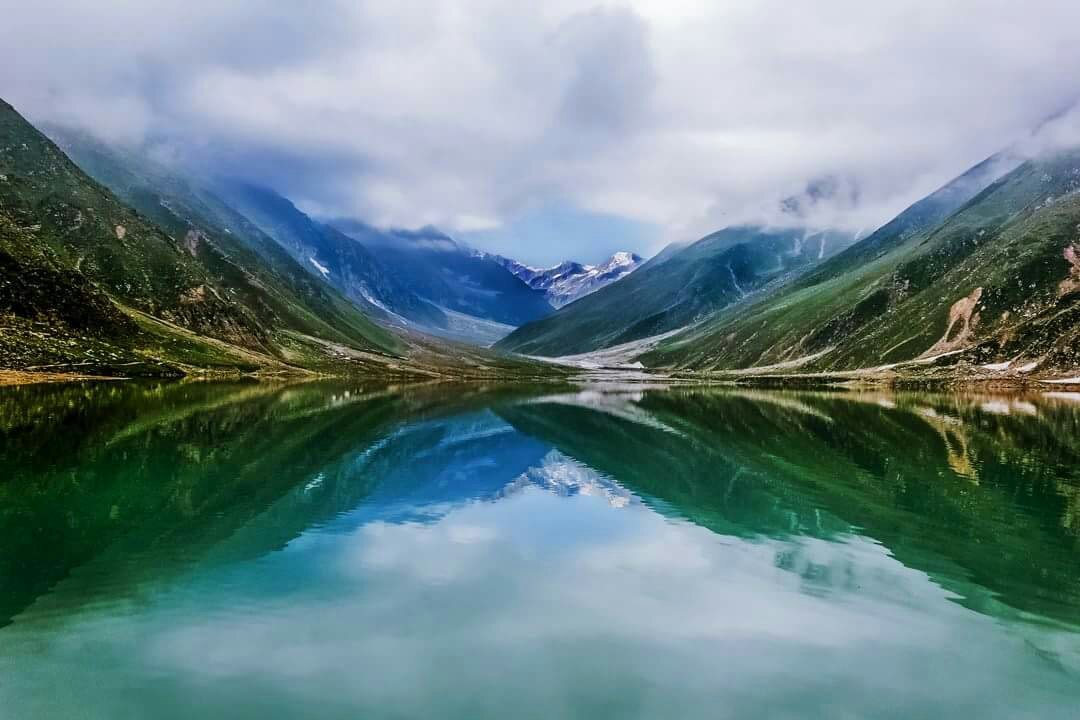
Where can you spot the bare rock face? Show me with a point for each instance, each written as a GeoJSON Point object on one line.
{"type": "Point", "coordinates": [192, 240]}
{"type": "Point", "coordinates": [962, 323]}
{"type": "Point", "coordinates": [1072, 283]}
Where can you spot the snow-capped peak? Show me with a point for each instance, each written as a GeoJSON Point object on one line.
{"type": "Point", "coordinates": [622, 258]}
{"type": "Point", "coordinates": [569, 280]}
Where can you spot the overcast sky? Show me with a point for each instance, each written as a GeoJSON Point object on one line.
{"type": "Point", "coordinates": [558, 129]}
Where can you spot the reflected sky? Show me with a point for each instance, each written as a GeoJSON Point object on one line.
{"type": "Point", "coordinates": [646, 554]}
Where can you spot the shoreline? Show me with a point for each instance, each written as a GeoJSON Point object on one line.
{"type": "Point", "coordinates": [10, 378]}
{"type": "Point", "coordinates": [851, 380]}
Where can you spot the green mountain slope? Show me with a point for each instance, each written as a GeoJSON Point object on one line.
{"type": "Point", "coordinates": [88, 279]}
{"type": "Point", "coordinates": [676, 289]}
{"type": "Point", "coordinates": [997, 279]}
{"type": "Point", "coordinates": [285, 292]}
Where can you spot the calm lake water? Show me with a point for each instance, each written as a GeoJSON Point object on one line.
{"type": "Point", "coordinates": [330, 551]}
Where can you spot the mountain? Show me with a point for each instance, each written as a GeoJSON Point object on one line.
{"type": "Point", "coordinates": [88, 282]}
{"type": "Point", "coordinates": [453, 277]}
{"type": "Point", "coordinates": [181, 204]}
{"type": "Point", "coordinates": [566, 282]}
{"type": "Point", "coordinates": [421, 279]}
{"type": "Point", "coordinates": [331, 255]}
{"type": "Point", "coordinates": [984, 272]}
{"type": "Point", "coordinates": [677, 288]}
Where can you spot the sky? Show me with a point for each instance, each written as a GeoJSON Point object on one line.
{"type": "Point", "coordinates": [556, 130]}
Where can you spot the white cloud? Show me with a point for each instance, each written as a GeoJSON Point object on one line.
{"type": "Point", "coordinates": [513, 607]}
{"type": "Point", "coordinates": [467, 114]}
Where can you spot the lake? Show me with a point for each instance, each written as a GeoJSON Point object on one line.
{"type": "Point", "coordinates": [327, 550]}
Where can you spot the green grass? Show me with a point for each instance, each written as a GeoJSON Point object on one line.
{"type": "Point", "coordinates": [72, 254]}
{"type": "Point", "coordinates": [893, 304]}
{"type": "Point", "coordinates": [675, 290]}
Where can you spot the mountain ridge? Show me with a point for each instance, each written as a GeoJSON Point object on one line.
{"type": "Point", "coordinates": [677, 288]}
{"type": "Point", "coordinates": [158, 300]}
{"type": "Point", "coordinates": [90, 286]}
{"type": "Point", "coordinates": [569, 280]}
{"type": "Point", "coordinates": [991, 285]}
{"type": "Point", "coordinates": [448, 274]}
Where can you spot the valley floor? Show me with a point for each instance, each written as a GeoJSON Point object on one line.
{"type": "Point", "coordinates": [36, 353]}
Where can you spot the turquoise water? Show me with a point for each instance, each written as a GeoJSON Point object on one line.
{"type": "Point", "coordinates": [335, 551]}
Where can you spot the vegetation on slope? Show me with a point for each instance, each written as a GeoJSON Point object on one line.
{"type": "Point", "coordinates": [676, 289]}
{"type": "Point", "coordinates": [281, 290]}
{"type": "Point", "coordinates": [82, 272]}
{"type": "Point", "coordinates": [991, 284]}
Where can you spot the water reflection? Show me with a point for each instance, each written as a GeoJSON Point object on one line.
{"type": "Point", "coordinates": [281, 551]}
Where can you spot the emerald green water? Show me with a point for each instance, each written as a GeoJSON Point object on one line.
{"type": "Point", "coordinates": [332, 551]}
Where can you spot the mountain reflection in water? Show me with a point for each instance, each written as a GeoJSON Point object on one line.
{"type": "Point", "coordinates": [235, 550]}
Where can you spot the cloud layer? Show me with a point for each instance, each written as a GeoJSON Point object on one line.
{"type": "Point", "coordinates": [473, 114]}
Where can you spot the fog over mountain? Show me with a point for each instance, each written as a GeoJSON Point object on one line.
{"type": "Point", "coordinates": [675, 118]}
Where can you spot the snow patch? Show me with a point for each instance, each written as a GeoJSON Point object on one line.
{"type": "Point", "coordinates": [320, 267]}
{"type": "Point", "coordinates": [735, 282]}
{"type": "Point", "coordinates": [569, 281]}
{"type": "Point", "coordinates": [622, 357]}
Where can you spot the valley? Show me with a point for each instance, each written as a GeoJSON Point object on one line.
{"type": "Point", "coordinates": [118, 265]}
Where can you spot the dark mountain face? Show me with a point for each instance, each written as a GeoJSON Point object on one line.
{"type": "Point", "coordinates": [982, 271]}
{"type": "Point", "coordinates": [435, 267]}
{"type": "Point", "coordinates": [78, 257]}
{"type": "Point", "coordinates": [677, 288]}
{"type": "Point", "coordinates": [331, 255]}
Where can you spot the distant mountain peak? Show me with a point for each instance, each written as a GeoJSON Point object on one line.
{"type": "Point", "coordinates": [624, 258]}
{"type": "Point", "coordinates": [569, 280]}
{"type": "Point", "coordinates": [428, 237]}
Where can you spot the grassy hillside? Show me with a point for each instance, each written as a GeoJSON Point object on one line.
{"type": "Point", "coordinates": [997, 279]}
{"type": "Point", "coordinates": [278, 287]}
{"type": "Point", "coordinates": [676, 289]}
{"type": "Point", "coordinates": [87, 281]}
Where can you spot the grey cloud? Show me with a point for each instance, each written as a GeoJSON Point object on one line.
{"type": "Point", "coordinates": [467, 114]}
{"type": "Point", "coordinates": [613, 76]}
